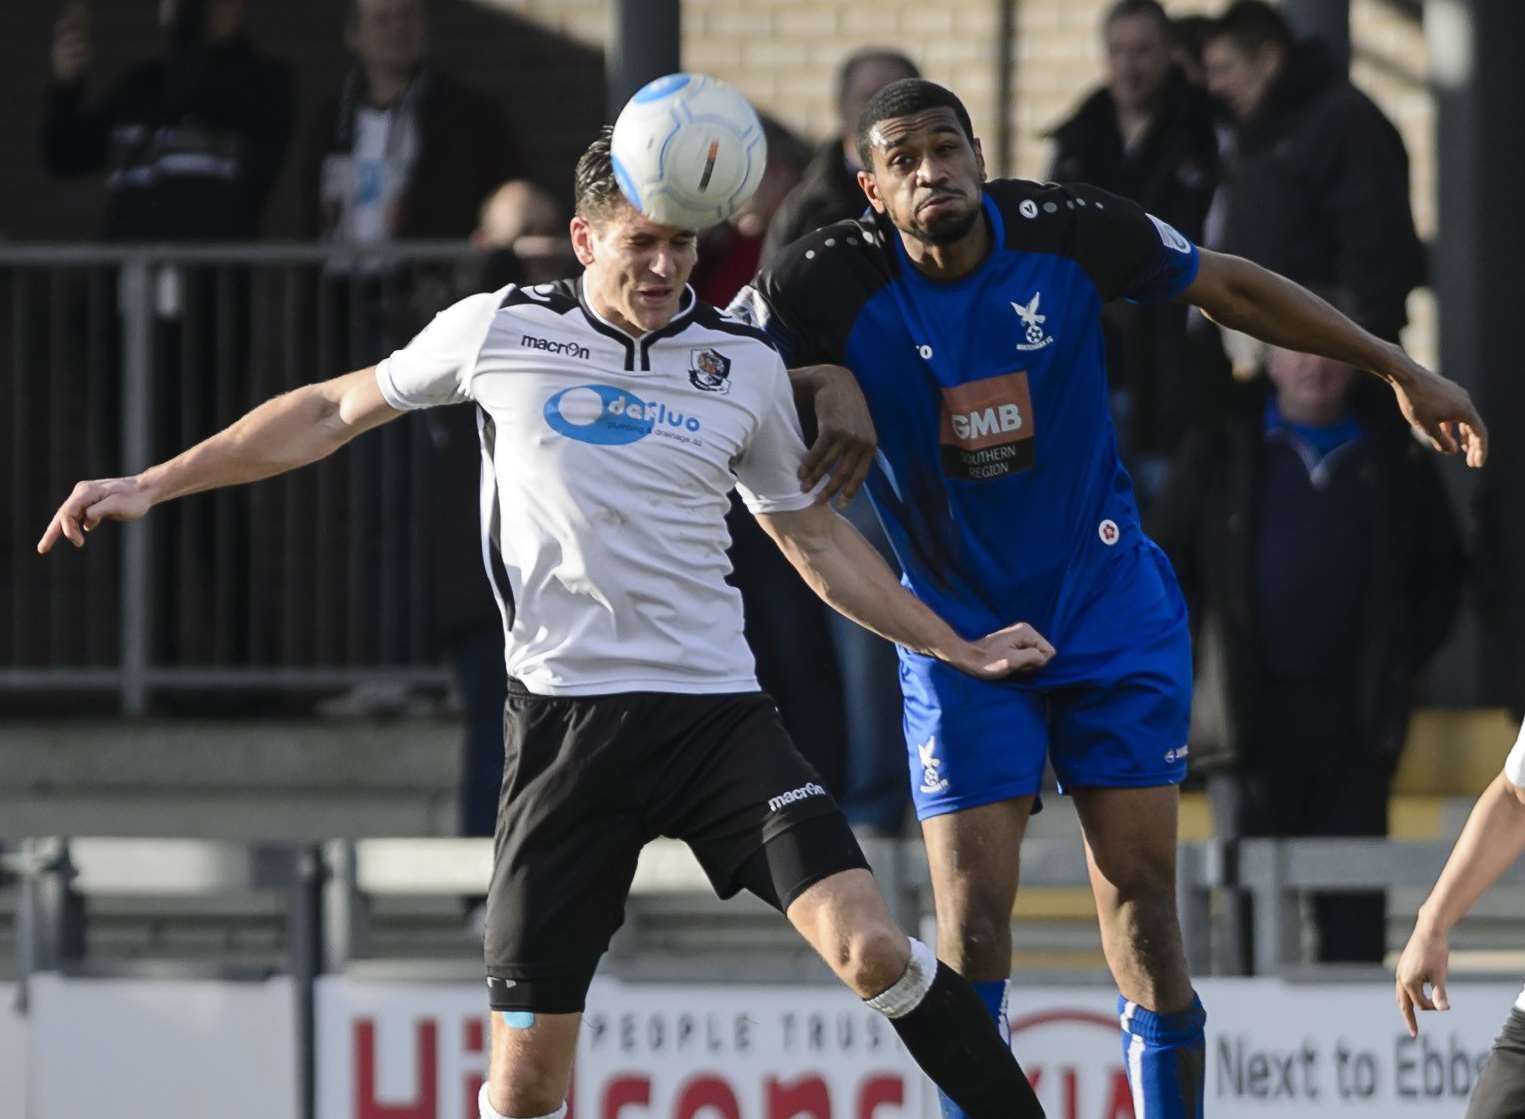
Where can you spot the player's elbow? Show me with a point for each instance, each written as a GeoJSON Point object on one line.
{"type": "Point", "coordinates": [1513, 791]}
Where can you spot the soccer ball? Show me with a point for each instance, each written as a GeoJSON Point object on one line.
{"type": "Point", "coordinates": [688, 150]}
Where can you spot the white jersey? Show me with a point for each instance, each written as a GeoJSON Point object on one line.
{"type": "Point", "coordinates": [1514, 773]}
{"type": "Point", "coordinates": [607, 462]}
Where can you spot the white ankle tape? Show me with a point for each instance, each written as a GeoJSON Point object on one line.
{"type": "Point", "coordinates": [485, 1109]}
{"type": "Point", "coordinates": [908, 991]}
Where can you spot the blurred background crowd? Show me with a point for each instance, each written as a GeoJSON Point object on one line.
{"type": "Point", "coordinates": [318, 179]}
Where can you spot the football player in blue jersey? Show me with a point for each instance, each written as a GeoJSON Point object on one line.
{"type": "Point", "coordinates": [968, 313]}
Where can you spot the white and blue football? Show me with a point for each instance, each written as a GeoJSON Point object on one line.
{"type": "Point", "coordinates": [688, 150]}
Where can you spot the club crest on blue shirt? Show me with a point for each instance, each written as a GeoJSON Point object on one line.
{"type": "Point", "coordinates": [709, 370]}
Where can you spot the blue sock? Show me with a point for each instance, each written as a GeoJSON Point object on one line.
{"type": "Point", "coordinates": [1164, 1055]}
{"type": "Point", "coordinates": [992, 993]}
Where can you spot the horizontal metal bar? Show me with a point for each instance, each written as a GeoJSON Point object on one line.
{"type": "Point", "coordinates": [293, 252]}
{"type": "Point", "coordinates": [179, 679]}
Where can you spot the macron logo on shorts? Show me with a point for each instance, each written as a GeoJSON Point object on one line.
{"type": "Point", "coordinates": [808, 790]}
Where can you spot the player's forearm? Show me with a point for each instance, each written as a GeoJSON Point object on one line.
{"type": "Point", "coordinates": [283, 433]}
{"type": "Point", "coordinates": [1264, 305]}
{"type": "Point", "coordinates": [1492, 840]}
{"type": "Point", "coordinates": [845, 571]}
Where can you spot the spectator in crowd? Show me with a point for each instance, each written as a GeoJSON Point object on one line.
{"type": "Point", "coordinates": [522, 221]}
{"type": "Point", "coordinates": [190, 145]}
{"type": "Point", "coordinates": [1190, 34]}
{"type": "Point", "coordinates": [829, 190]}
{"type": "Point", "coordinates": [1317, 179]}
{"type": "Point", "coordinates": [1319, 553]}
{"type": "Point", "coordinates": [401, 149]}
{"type": "Point", "coordinates": [729, 253]}
{"type": "Point", "coordinates": [874, 792]}
{"type": "Point", "coordinates": [191, 142]}
{"type": "Point", "coordinates": [1146, 134]}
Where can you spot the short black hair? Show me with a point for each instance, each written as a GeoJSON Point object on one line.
{"type": "Point", "coordinates": [595, 189]}
{"type": "Point", "coordinates": [1252, 26]}
{"type": "Point", "coordinates": [905, 98]}
{"type": "Point", "coordinates": [1132, 9]}
{"type": "Point", "coordinates": [865, 57]}
{"type": "Point", "coordinates": [1191, 32]}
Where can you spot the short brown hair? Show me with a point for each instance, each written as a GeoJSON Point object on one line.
{"type": "Point", "coordinates": [596, 189]}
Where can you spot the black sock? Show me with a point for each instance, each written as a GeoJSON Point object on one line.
{"type": "Point", "coordinates": [951, 1036]}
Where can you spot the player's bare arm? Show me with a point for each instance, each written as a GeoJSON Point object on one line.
{"type": "Point", "coordinates": [851, 577]}
{"type": "Point", "coordinates": [1492, 840]}
{"type": "Point", "coordinates": [1245, 297]}
{"type": "Point", "coordinates": [845, 437]}
{"type": "Point", "coordinates": [285, 432]}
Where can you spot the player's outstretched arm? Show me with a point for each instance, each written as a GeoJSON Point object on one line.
{"type": "Point", "coordinates": [1489, 844]}
{"type": "Point", "coordinates": [851, 577]}
{"type": "Point", "coordinates": [1246, 297]}
{"type": "Point", "coordinates": [285, 432]}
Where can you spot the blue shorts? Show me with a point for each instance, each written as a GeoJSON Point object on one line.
{"type": "Point", "coordinates": [1107, 720]}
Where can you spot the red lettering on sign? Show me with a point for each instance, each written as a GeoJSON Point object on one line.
{"type": "Point", "coordinates": [424, 1103]}
{"type": "Point", "coordinates": [626, 1091]}
{"type": "Point", "coordinates": [1121, 1106]}
{"type": "Point", "coordinates": [807, 1096]}
{"type": "Point", "coordinates": [707, 1091]}
{"type": "Point", "coordinates": [880, 1091]}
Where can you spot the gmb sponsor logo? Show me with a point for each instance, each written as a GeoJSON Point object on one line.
{"type": "Point", "coordinates": [998, 419]}
{"type": "Point", "coordinates": [611, 416]}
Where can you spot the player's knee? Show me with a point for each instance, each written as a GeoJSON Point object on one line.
{"type": "Point", "coordinates": [871, 958]}
{"type": "Point", "coordinates": [980, 930]}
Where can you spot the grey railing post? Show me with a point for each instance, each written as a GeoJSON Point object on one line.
{"type": "Point", "coordinates": [1263, 869]}
{"type": "Point", "coordinates": [1196, 873]}
{"type": "Point", "coordinates": [304, 933]}
{"type": "Point", "coordinates": [342, 906]}
{"type": "Point", "coordinates": [137, 310]}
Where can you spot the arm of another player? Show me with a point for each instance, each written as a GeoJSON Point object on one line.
{"type": "Point", "coordinates": [1491, 841]}
{"type": "Point", "coordinates": [1246, 297]}
{"type": "Point", "coordinates": [851, 577]}
{"type": "Point", "coordinates": [845, 439]}
{"type": "Point", "coordinates": [285, 432]}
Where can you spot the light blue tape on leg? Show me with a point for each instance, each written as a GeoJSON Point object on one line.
{"type": "Point", "coordinates": [518, 1019]}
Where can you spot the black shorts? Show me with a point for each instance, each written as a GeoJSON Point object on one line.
{"type": "Point", "coordinates": [1500, 1091]}
{"type": "Point", "coordinates": [588, 781]}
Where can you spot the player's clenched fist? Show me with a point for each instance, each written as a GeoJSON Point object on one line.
{"type": "Point", "coordinates": [1018, 648]}
{"type": "Point", "coordinates": [90, 503]}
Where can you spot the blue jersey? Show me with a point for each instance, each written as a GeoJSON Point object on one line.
{"type": "Point", "coordinates": [998, 478]}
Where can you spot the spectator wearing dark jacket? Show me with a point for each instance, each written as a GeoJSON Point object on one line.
{"type": "Point", "coordinates": [1319, 554]}
{"type": "Point", "coordinates": [190, 143]}
{"type": "Point", "coordinates": [1146, 134]}
{"type": "Point", "coordinates": [1317, 181]}
{"type": "Point", "coordinates": [400, 150]}
{"type": "Point", "coordinates": [829, 189]}
{"type": "Point", "coordinates": [852, 697]}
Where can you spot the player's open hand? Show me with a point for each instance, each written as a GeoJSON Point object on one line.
{"type": "Point", "coordinates": [90, 503]}
{"type": "Point", "coordinates": [1018, 648]}
{"type": "Point", "coordinates": [846, 440]}
{"type": "Point", "coordinates": [1423, 963]}
{"type": "Point", "coordinates": [1444, 412]}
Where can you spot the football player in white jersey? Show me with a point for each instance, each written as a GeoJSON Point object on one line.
{"type": "Point", "coordinates": [616, 413]}
{"type": "Point", "coordinates": [1491, 841]}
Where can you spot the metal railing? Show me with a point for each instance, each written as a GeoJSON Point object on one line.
{"type": "Point", "coordinates": [328, 897]}
{"type": "Point", "coordinates": [114, 357]}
